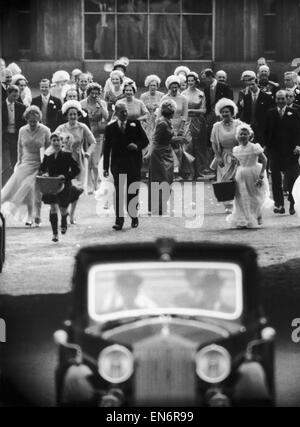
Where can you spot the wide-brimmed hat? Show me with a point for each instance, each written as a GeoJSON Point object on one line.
{"type": "Point", "coordinates": [225, 102]}
{"type": "Point", "coordinates": [172, 79]}
{"type": "Point", "coordinates": [72, 103]}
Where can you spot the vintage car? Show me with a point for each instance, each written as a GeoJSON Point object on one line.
{"type": "Point", "coordinates": [166, 324]}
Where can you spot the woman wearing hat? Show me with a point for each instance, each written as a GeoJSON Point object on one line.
{"type": "Point", "coordinates": [136, 108]}
{"type": "Point", "coordinates": [179, 120]}
{"type": "Point", "coordinates": [252, 187]}
{"type": "Point", "coordinates": [197, 124]}
{"type": "Point", "coordinates": [151, 99]}
{"type": "Point", "coordinates": [223, 139]}
{"type": "Point", "coordinates": [20, 191]}
{"type": "Point", "coordinates": [25, 92]}
{"type": "Point", "coordinates": [60, 84]}
{"type": "Point", "coordinates": [83, 137]}
{"type": "Point", "coordinates": [161, 154]}
{"type": "Point", "coordinates": [114, 91]}
{"type": "Point", "coordinates": [98, 117]}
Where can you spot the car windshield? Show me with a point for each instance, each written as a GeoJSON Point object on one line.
{"type": "Point", "coordinates": [118, 291]}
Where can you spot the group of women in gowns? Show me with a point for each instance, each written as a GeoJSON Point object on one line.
{"type": "Point", "coordinates": [176, 127]}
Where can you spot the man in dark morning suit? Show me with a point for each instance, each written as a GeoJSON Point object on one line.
{"type": "Point", "coordinates": [48, 104]}
{"type": "Point", "coordinates": [214, 90]}
{"type": "Point", "coordinates": [124, 141]}
{"type": "Point", "coordinates": [12, 121]}
{"type": "Point", "coordinates": [254, 111]}
{"type": "Point", "coordinates": [282, 139]}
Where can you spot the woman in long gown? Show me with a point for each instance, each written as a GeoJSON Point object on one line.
{"type": "Point", "coordinates": [20, 192]}
{"type": "Point", "coordinates": [151, 99]}
{"type": "Point", "coordinates": [98, 116]}
{"type": "Point", "coordinates": [223, 139]}
{"type": "Point", "coordinates": [85, 143]}
{"type": "Point", "coordinates": [161, 156]}
{"type": "Point", "coordinates": [252, 187]}
{"type": "Point", "coordinates": [182, 166]}
{"type": "Point", "coordinates": [197, 124]}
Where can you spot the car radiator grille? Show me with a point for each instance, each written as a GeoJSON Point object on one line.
{"type": "Point", "coordinates": [165, 373]}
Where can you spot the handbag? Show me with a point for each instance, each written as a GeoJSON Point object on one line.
{"type": "Point", "coordinates": [50, 185]}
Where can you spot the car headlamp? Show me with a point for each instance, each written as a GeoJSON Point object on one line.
{"type": "Point", "coordinates": [213, 364]}
{"type": "Point", "coordinates": [115, 364]}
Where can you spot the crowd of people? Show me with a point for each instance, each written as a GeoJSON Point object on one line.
{"type": "Point", "coordinates": [192, 130]}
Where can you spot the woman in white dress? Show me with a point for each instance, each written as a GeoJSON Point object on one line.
{"type": "Point", "coordinates": [151, 99]}
{"type": "Point", "coordinates": [20, 192]}
{"type": "Point", "coordinates": [252, 188]}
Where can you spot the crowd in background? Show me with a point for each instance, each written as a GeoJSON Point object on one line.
{"type": "Point", "coordinates": [197, 128]}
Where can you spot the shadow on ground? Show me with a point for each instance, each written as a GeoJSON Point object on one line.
{"type": "Point", "coordinates": [29, 356]}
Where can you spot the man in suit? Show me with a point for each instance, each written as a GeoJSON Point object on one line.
{"type": "Point", "coordinates": [6, 83]}
{"type": "Point", "coordinates": [12, 120]}
{"type": "Point", "coordinates": [48, 104]}
{"type": "Point", "coordinates": [256, 105]}
{"type": "Point", "coordinates": [83, 82]}
{"type": "Point", "coordinates": [214, 90]}
{"type": "Point", "coordinates": [124, 141]}
{"type": "Point", "coordinates": [282, 138]}
{"type": "Point", "coordinates": [291, 83]}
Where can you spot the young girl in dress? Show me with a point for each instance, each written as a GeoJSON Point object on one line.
{"type": "Point", "coordinates": [60, 164]}
{"type": "Point", "coordinates": [252, 188]}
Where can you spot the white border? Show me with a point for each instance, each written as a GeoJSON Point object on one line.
{"type": "Point", "coordinates": [159, 311]}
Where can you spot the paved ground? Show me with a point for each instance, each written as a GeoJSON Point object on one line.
{"type": "Point", "coordinates": [35, 283]}
{"type": "Point", "coordinates": [31, 255]}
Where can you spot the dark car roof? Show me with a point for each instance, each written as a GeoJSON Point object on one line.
{"type": "Point", "coordinates": [167, 249]}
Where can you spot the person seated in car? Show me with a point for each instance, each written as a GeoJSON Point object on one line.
{"type": "Point", "coordinates": [204, 292]}
{"type": "Point", "coordinates": [128, 294]}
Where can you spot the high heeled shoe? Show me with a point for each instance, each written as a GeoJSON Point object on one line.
{"type": "Point", "coordinates": [28, 224]}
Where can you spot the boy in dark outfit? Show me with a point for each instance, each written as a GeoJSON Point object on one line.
{"type": "Point", "coordinates": [59, 164]}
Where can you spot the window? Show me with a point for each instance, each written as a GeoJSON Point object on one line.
{"type": "Point", "coordinates": [23, 23]}
{"type": "Point", "coordinates": [148, 29]}
{"type": "Point", "coordinates": [270, 16]}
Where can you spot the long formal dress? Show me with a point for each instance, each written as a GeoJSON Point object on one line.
{"type": "Point", "coordinates": [250, 199]}
{"type": "Point", "coordinates": [85, 142]}
{"type": "Point", "coordinates": [161, 159]}
{"type": "Point", "coordinates": [223, 141]}
{"type": "Point", "coordinates": [182, 162]}
{"type": "Point", "coordinates": [152, 103]}
{"type": "Point", "coordinates": [296, 196]}
{"type": "Point", "coordinates": [19, 191]}
{"type": "Point", "coordinates": [197, 127]}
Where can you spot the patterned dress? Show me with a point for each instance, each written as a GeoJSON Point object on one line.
{"type": "Point", "coordinates": [197, 128]}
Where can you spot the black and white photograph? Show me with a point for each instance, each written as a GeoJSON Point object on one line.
{"type": "Point", "coordinates": [150, 206]}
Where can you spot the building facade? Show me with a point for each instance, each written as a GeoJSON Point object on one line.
{"type": "Point", "coordinates": [156, 35]}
